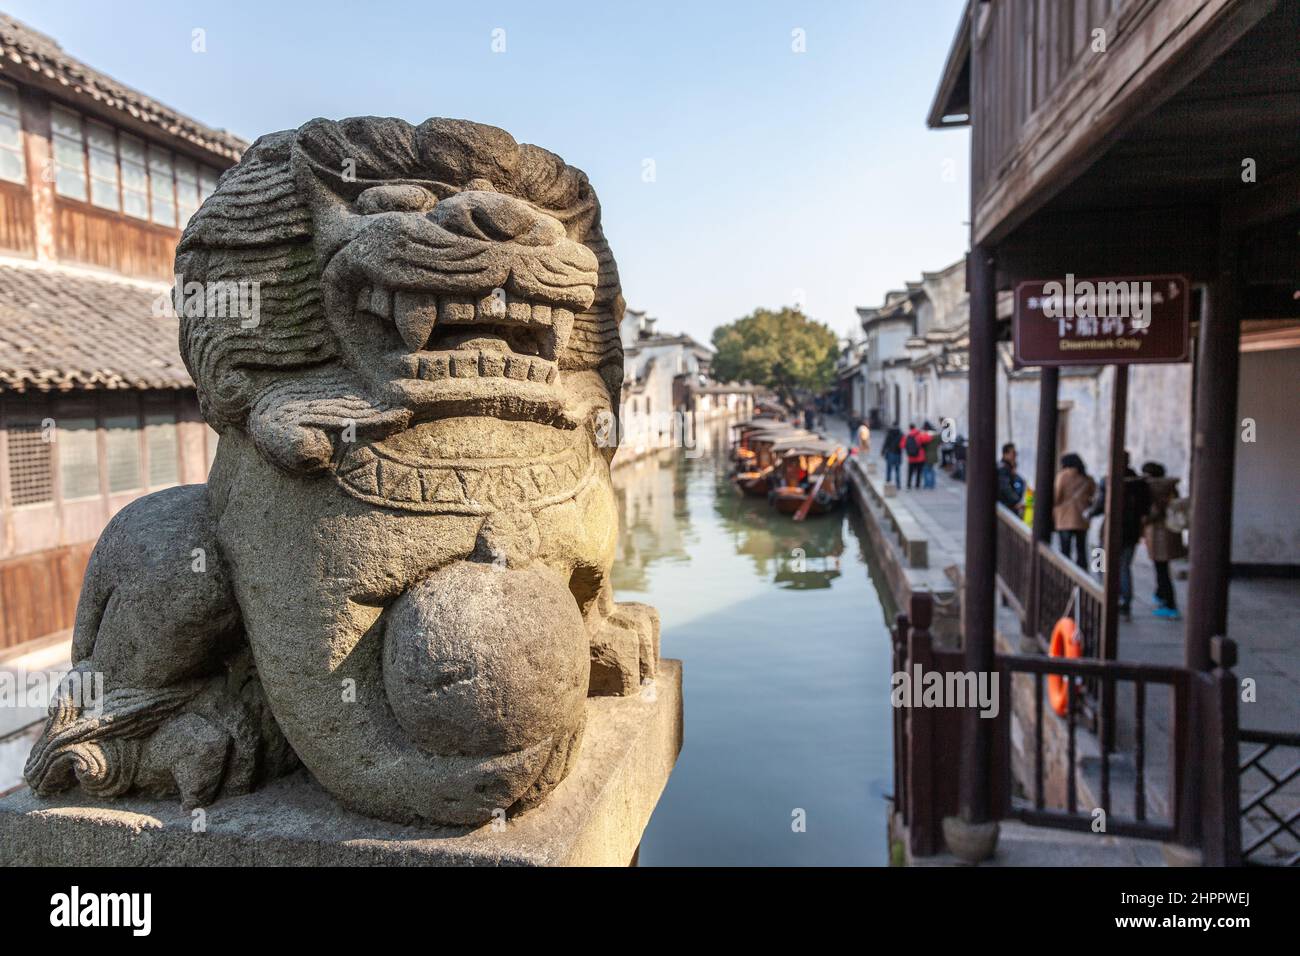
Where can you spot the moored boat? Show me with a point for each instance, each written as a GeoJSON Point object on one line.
{"type": "Point", "coordinates": [755, 483]}
{"type": "Point", "coordinates": [759, 447]}
{"type": "Point", "coordinates": [808, 479]}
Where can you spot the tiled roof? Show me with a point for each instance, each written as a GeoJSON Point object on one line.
{"type": "Point", "coordinates": [64, 329]}
{"type": "Point", "coordinates": [24, 50]}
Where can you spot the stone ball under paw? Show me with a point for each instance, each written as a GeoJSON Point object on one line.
{"type": "Point", "coordinates": [482, 659]}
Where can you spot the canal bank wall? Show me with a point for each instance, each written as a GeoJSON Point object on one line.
{"type": "Point", "coordinates": [910, 560]}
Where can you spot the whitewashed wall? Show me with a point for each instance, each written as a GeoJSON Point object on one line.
{"type": "Point", "coordinates": [1265, 509]}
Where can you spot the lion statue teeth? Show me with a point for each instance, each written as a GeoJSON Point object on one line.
{"type": "Point", "coordinates": [397, 574]}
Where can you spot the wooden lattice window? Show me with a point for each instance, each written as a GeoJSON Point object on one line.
{"type": "Point", "coordinates": [78, 458]}
{"type": "Point", "coordinates": [122, 444]}
{"type": "Point", "coordinates": [101, 148]}
{"type": "Point", "coordinates": [13, 165]}
{"type": "Point", "coordinates": [160, 437]}
{"type": "Point", "coordinates": [187, 190]}
{"type": "Point", "coordinates": [207, 182]}
{"type": "Point", "coordinates": [162, 187]}
{"type": "Point", "coordinates": [135, 177]}
{"type": "Point", "coordinates": [31, 478]}
{"type": "Point", "coordinates": [69, 154]}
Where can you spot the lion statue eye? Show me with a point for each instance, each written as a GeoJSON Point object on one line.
{"type": "Point", "coordinates": [395, 197]}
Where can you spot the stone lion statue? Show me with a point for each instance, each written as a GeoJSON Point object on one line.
{"type": "Point", "coordinates": [397, 572]}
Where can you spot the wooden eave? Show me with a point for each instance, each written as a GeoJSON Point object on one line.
{"type": "Point", "coordinates": [1156, 48]}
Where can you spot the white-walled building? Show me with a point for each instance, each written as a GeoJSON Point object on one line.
{"type": "Point", "coordinates": [917, 363]}
{"type": "Point", "coordinates": [851, 377]}
{"type": "Point", "coordinates": [666, 387]}
{"type": "Point", "coordinates": [916, 342]}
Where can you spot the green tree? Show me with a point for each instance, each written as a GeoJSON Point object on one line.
{"type": "Point", "coordinates": [785, 351]}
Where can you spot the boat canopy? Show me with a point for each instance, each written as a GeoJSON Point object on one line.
{"type": "Point", "coordinates": [802, 446]}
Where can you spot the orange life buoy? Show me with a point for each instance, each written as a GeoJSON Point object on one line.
{"type": "Point", "coordinates": [1065, 643]}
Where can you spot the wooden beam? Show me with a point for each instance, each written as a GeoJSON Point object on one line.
{"type": "Point", "coordinates": [1214, 450]}
{"type": "Point", "coordinates": [1114, 542]}
{"type": "Point", "coordinates": [1155, 48]}
{"type": "Point", "coordinates": [979, 599]}
{"type": "Point", "coordinates": [1044, 488]}
{"type": "Point", "coordinates": [1113, 242]}
{"type": "Point", "coordinates": [1258, 203]}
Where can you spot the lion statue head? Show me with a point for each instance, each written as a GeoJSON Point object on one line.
{"type": "Point", "coordinates": [405, 275]}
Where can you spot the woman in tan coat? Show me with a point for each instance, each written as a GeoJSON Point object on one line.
{"type": "Point", "coordinates": [1072, 493]}
{"type": "Point", "coordinates": [1163, 544]}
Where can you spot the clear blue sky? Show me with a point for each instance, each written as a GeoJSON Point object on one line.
{"type": "Point", "coordinates": [777, 174]}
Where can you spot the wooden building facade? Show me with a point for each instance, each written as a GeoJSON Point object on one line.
{"type": "Point", "coordinates": [96, 407]}
{"type": "Point", "coordinates": [1121, 138]}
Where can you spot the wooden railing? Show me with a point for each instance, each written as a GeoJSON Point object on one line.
{"type": "Point", "coordinates": [1136, 822]}
{"type": "Point", "coordinates": [1058, 576]}
{"type": "Point", "coordinates": [1280, 817]}
{"type": "Point", "coordinates": [1015, 547]}
{"type": "Point", "coordinates": [1057, 579]}
{"type": "Point", "coordinates": [925, 739]}
{"type": "Point", "coordinates": [1201, 780]}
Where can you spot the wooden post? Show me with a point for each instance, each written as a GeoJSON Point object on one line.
{"type": "Point", "coordinates": [902, 627]}
{"type": "Point", "coordinates": [40, 162]}
{"type": "Point", "coordinates": [1112, 545]}
{"type": "Point", "coordinates": [1044, 479]}
{"type": "Point", "coordinates": [1220, 786]}
{"type": "Point", "coordinates": [978, 601]}
{"type": "Point", "coordinates": [1214, 446]}
{"type": "Point", "coordinates": [922, 816]}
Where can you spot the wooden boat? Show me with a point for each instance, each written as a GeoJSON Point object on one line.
{"type": "Point", "coordinates": [746, 433]}
{"type": "Point", "coordinates": [758, 449]}
{"type": "Point", "coordinates": [809, 479]}
{"type": "Point", "coordinates": [754, 483]}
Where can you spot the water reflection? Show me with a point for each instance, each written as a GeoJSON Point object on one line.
{"type": "Point", "coordinates": [786, 667]}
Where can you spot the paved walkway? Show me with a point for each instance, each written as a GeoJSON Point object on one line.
{"type": "Point", "coordinates": [1023, 845]}
{"type": "Point", "coordinates": [942, 511]}
{"type": "Point", "coordinates": [1263, 614]}
{"type": "Point", "coordinates": [1263, 619]}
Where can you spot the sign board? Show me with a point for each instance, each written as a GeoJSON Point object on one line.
{"type": "Point", "coordinates": [1124, 320]}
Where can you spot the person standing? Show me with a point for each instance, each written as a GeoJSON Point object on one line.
{"type": "Point", "coordinates": [959, 458]}
{"type": "Point", "coordinates": [913, 446]}
{"type": "Point", "coordinates": [1163, 544]}
{"type": "Point", "coordinates": [1137, 502]}
{"type": "Point", "coordinates": [1072, 493]}
{"type": "Point", "coordinates": [893, 456]}
{"type": "Point", "coordinates": [931, 456]}
{"type": "Point", "coordinates": [864, 439]}
{"type": "Point", "coordinates": [1011, 487]}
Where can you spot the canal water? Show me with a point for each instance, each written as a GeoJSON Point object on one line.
{"type": "Point", "coordinates": [782, 631]}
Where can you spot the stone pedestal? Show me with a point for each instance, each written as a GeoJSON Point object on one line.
{"type": "Point", "coordinates": [595, 817]}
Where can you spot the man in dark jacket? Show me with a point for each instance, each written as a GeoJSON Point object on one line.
{"type": "Point", "coordinates": [1011, 487]}
{"type": "Point", "coordinates": [1136, 504]}
{"type": "Point", "coordinates": [893, 456]}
